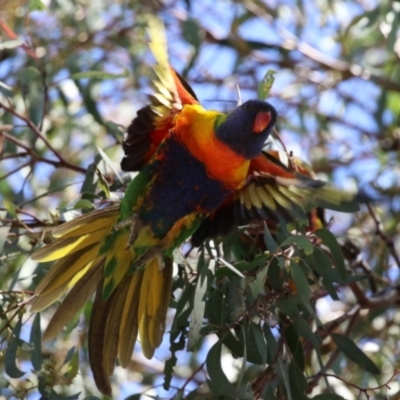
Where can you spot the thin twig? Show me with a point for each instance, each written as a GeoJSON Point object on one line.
{"type": "Point", "coordinates": [389, 242]}
{"type": "Point", "coordinates": [63, 162]}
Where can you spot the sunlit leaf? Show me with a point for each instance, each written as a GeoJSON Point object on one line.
{"type": "Point", "coordinates": [265, 85]}
{"type": "Point", "coordinates": [301, 242]}
{"type": "Point", "coordinates": [73, 366]}
{"type": "Point", "coordinates": [36, 5]}
{"type": "Point", "coordinates": [197, 314]}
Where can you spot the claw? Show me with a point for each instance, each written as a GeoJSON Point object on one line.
{"type": "Point", "coordinates": [155, 251]}
{"type": "Point", "coordinates": [135, 225]}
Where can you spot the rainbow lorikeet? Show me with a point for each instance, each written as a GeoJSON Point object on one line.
{"type": "Point", "coordinates": [124, 253]}
{"type": "Point", "coordinates": [191, 161]}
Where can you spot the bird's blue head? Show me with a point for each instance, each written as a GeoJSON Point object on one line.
{"type": "Point", "coordinates": [247, 127]}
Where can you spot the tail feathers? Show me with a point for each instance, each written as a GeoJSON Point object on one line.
{"type": "Point", "coordinates": [67, 268]}
{"type": "Point", "coordinates": [88, 223]}
{"type": "Point", "coordinates": [153, 304]}
{"type": "Point", "coordinates": [129, 320]}
{"type": "Point", "coordinates": [139, 304]}
{"type": "Point", "coordinates": [118, 261]}
{"type": "Point", "coordinates": [90, 259]}
{"type": "Point", "coordinates": [98, 318]}
{"type": "Point", "coordinates": [112, 327]}
{"type": "Point", "coordinates": [74, 301]}
{"type": "Point", "coordinates": [62, 247]}
{"type": "Point", "coordinates": [76, 248]}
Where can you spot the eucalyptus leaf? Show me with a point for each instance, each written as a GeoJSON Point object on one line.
{"type": "Point", "coordinates": [351, 350]}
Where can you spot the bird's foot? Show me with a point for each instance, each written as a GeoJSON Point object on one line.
{"type": "Point", "coordinates": [155, 251]}
{"type": "Point", "coordinates": [135, 225]}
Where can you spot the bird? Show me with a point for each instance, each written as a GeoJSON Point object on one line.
{"type": "Point", "coordinates": [123, 254]}
{"type": "Point", "coordinates": [201, 173]}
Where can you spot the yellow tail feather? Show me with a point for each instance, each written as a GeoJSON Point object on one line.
{"type": "Point", "coordinates": [120, 258]}
{"type": "Point", "coordinates": [66, 268]}
{"type": "Point", "coordinates": [62, 247]}
{"type": "Point", "coordinates": [74, 301]}
{"type": "Point", "coordinates": [88, 223]}
{"type": "Point", "coordinates": [153, 304]}
{"type": "Point", "coordinates": [129, 321]}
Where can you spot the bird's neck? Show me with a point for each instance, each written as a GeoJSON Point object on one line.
{"type": "Point", "coordinates": [194, 127]}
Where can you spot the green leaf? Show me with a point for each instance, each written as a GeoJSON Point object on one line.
{"type": "Point", "coordinates": [303, 329]}
{"type": "Point", "coordinates": [392, 37]}
{"type": "Point", "coordinates": [269, 241]}
{"type": "Point", "coordinates": [256, 346]}
{"type": "Point", "coordinates": [219, 383]}
{"type": "Point", "coordinates": [32, 89]}
{"type": "Point", "coordinates": [116, 130]}
{"type": "Point", "coordinates": [101, 75]}
{"type": "Point", "coordinates": [215, 307]}
{"type": "Point", "coordinates": [191, 32]}
{"type": "Point", "coordinates": [36, 5]}
{"type": "Point", "coordinates": [234, 344]}
{"type": "Point", "coordinates": [30, 75]}
{"type": "Point", "coordinates": [288, 307]}
{"type": "Point", "coordinates": [283, 375]}
{"type": "Point", "coordinates": [245, 392]}
{"type": "Point", "coordinates": [4, 88]}
{"type": "Point", "coordinates": [347, 206]}
{"type": "Point", "coordinates": [84, 204]}
{"type": "Point", "coordinates": [69, 355]}
{"type": "Point", "coordinates": [328, 396]}
{"type": "Point", "coordinates": [302, 285]}
{"type": "Point", "coordinates": [171, 362]}
{"type": "Point", "coordinates": [89, 184]}
{"type": "Point", "coordinates": [108, 162]}
{"type": "Point", "coordinates": [197, 314]}
{"type": "Point", "coordinates": [11, 354]}
{"type": "Point", "coordinates": [3, 236]}
{"type": "Point", "coordinates": [73, 366]}
{"type": "Point", "coordinates": [269, 393]}
{"type": "Point", "coordinates": [103, 184]}
{"type": "Point", "coordinates": [295, 346]}
{"type": "Point", "coordinates": [11, 208]}
{"type": "Point", "coordinates": [350, 349]}
{"type": "Point", "coordinates": [330, 241]}
{"type": "Point", "coordinates": [322, 264]}
{"type": "Point", "coordinates": [257, 285]}
{"type": "Point", "coordinates": [266, 84]}
{"type": "Point", "coordinates": [301, 242]}
{"type": "Point", "coordinates": [297, 381]}
{"type": "Point", "coordinates": [258, 261]}
{"type": "Point", "coordinates": [272, 344]}
{"type": "Point", "coordinates": [11, 44]}
{"type": "Point", "coordinates": [36, 342]}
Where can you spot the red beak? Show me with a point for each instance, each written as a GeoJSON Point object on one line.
{"type": "Point", "coordinates": [262, 120]}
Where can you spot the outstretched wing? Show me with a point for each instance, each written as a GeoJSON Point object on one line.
{"type": "Point", "coordinates": [276, 191]}
{"type": "Point", "coordinates": [153, 122]}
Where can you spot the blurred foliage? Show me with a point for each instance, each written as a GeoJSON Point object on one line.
{"type": "Point", "coordinates": [316, 315]}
